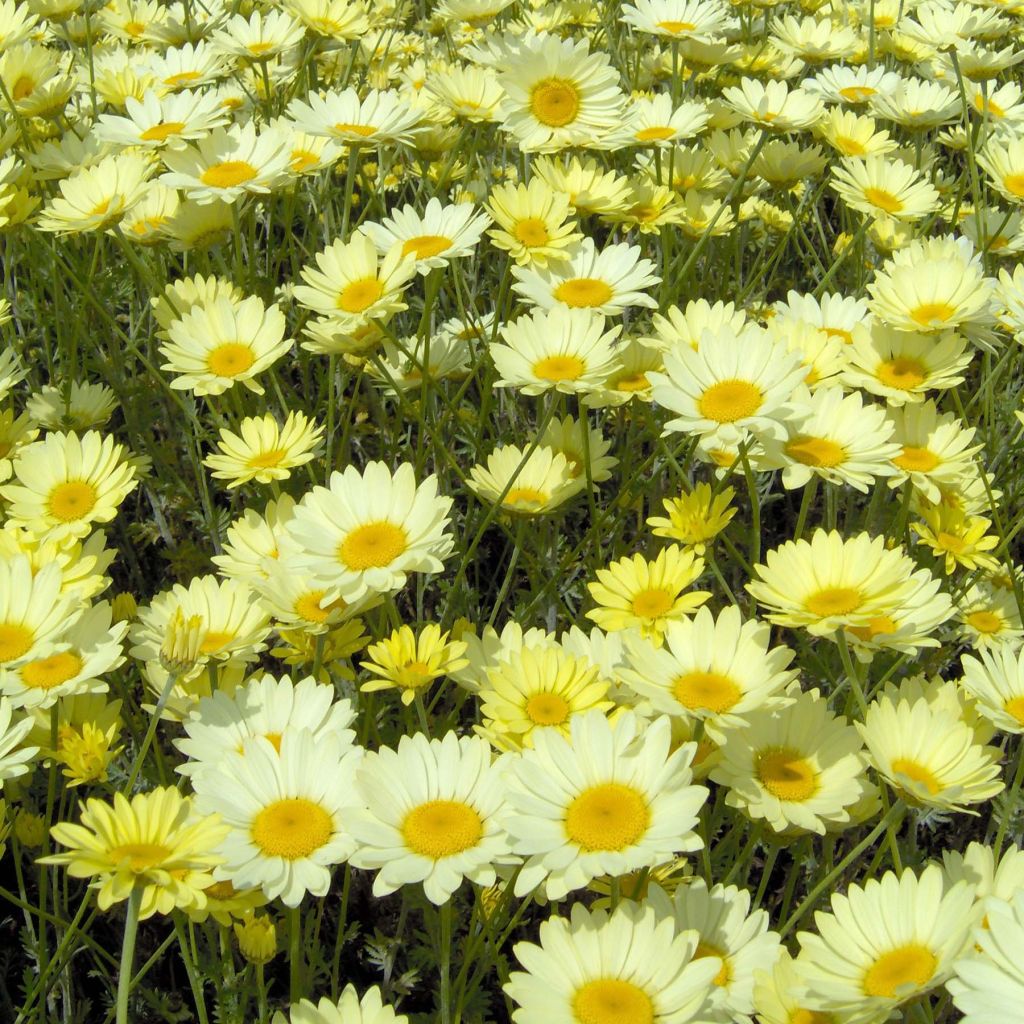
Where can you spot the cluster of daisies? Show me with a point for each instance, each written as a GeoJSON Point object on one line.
{"type": "Point", "coordinates": [478, 224]}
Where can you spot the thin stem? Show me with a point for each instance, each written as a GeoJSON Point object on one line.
{"type": "Point", "coordinates": [124, 974]}
{"type": "Point", "coordinates": [172, 678]}
{"type": "Point", "coordinates": [295, 954]}
{"type": "Point", "coordinates": [445, 959]}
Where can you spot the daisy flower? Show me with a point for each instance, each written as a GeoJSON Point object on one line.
{"type": "Point", "coordinates": [814, 40]}
{"type": "Point", "coordinates": [221, 724]}
{"type": "Point", "coordinates": [678, 19]}
{"type": "Point", "coordinates": [287, 810]}
{"type": "Point", "coordinates": [835, 437]}
{"type": "Point", "coordinates": [936, 450]}
{"type": "Point", "coordinates": [600, 966]}
{"type": "Point", "coordinates": [353, 285]}
{"type": "Point", "coordinates": [989, 615]}
{"type": "Point", "coordinates": [932, 295]}
{"type": "Point", "coordinates": [67, 483]}
{"type": "Point", "coordinates": [297, 600]}
{"type": "Point", "coordinates": [719, 670]}
{"type": "Point", "coordinates": [695, 517]}
{"type": "Point", "coordinates": [526, 483]}
{"type": "Point", "coordinates": [561, 348]}
{"type": "Point", "coordinates": [628, 380]}
{"type": "Point", "coordinates": [16, 433]}
{"type": "Point", "coordinates": [254, 538]}
{"type": "Point", "coordinates": [366, 531]}
{"type": "Point", "coordinates": [534, 222]}
{"type": "Point", "coordinates": [232, 626]}
{"type": "Point", "coordinates": [587, 457]}
{"type": "Point", "coordinates": [798, 768]}
{"type": "Point", "coordinates": [335, 19]}
{"type": "Point", "coordinates": [852, 135]}
{"type": "Point", "coordinates": [84, 405]}
{"type": "Point", "coordinates": [441, 357]}
{"type": "Point", "coordinates": [95, 198]}
{"type": "Point", "coordinates": [832, 582]}
{"type": "Point", "coordinates": [929, 755]}
{"type": "Point", "coordinates": [557, 93]}
{"type": "Point", "coordinates": [223, 343]}
{"type": "Point", "coordinates": [433, 238]}
{"type": "Point", "coordinates": [885, 942]}
{"type": "Point", "coordinates": [382, 118]}
{"type": "Point", "coordinates": [638, 593]}
{"type": "Point", "coordinates": [604, 282]}
{"type": "Point", "coordinates": [1002, 159]}
{"type": "Point", "coordinates": [684, 328]}
{"type": "Point", "coordinates": [838, 316]}
{"type": "Point", "coordinates": [995, 679]}
{"type": "Point", "coordinates": [992, 875]}
{"type": "Point", "coordinates": [467, 91]}
{"type": "Point", "coordinates": [732, 384]}
{"type": "Point", "coordinates": [732, 937]}
{"type": "Point", "coordinates": [538, 688]}
{"type": "Point", "coordinates": [156, 121]}
{"type": "Point", "coordinates": [259, 37]}
{"type": "Point", "coordinates": [349, 1009]}
{"type": "Point", "coordinates": [902, 366]}
{"type": "Point", "coordinates": [14, 756]}
{"type": "Point", "coordinates": [656, 122]}
{"type": "Point", "coordinates": [589, 186]}
{"type": "Point", "coordinates": [190, 66]}
{"type": "Point", "coordinates": [851, 85]}
{"type": "Point", "coordinates": [986, 984]}
{"type": "Point", "coordinates": [875, 185]}
{"type": "Point", "coordinates": [606, 800]}
{"type": "Point", "coordinates": [86, 651]}
{"type": "Point", "coordinates": [917, 104]}
{"type": "Point", "coordinates": [958, 540]}
{"type": "Point", "coordinates": [185, 294]}
{"type": "Point", "coordinates": [433, 813]}
{"type": "Point", "coordinates": [229, 164]}
{"type": "Point", "coordinates": [773, 105]}
{"type": "Point", "coordinates": [410, 662]}
{"type": "Point", "coordinates": [158, 844]}
{"type": "Point", "coordinates": [265, 450]}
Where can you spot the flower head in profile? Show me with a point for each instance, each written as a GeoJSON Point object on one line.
{"type": "Point", "coordinates": [695, 517]}
{"type": "Point", "coordinates": [410, 662]}
{"type": "Point", "coordinates": [265, 450]}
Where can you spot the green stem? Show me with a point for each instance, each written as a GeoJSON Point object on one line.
{"type": "Point", "coordinates": [188, 959]}
{"type": "Point", "coordinates": [124, 974]}
{"type": "Point", "coordinates": [172, 678]}
{"type": "Point", "coordinates": [295, 954]}
{"type": "Point", "coordinates": [445, 959]}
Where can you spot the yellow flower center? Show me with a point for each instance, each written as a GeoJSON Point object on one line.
{"type": "Point", "coordinates": [292, 828]}
{"type": "Point", "coordinates": [15, 640]}
{"type": "Point", "coordinates": [857, 93]}
{"type": "Point", "coordinates": [230, 359]}
{"type": "Point", "coordinates": [555, 102]}
{"type": "Point", "coordinates": [46, 673]}
{"type": "Point", "coordinates": [363, 130]}
{"type": "Point", "coordinates": [547, 709]}
{"type": "Point", "coordinates": [1014, 184]}
{"type": "Point", "coordinates": [802, 1016]}
{"type": "Point", "coordinates": [877, 626]}
{"type": "Point", "coordinates": [228, 174]}
{"type": "Point", "coordinates": [23, 87]}
{"type": "Point", "coordinates": [308, 607]}
{"type": "Point", "coordinates": [916, 460]}
{"type": "Point", "coordinates": [612, 1001]}
{"type": "Point", "coordinates": [850, 146]}
{"type": "Point", "coordinates": [917, 772]}
{"type": "Point", "coordinates": [302, 160]}
{"type": "Point", "coordinates": [139, 857]}
{"type": "Point", "coordinates": [423, 247]}
{"type": "Point", "coordinates": [786, 774]}
{"type": "Point", "coordinates": [929, 313]}
{"type": "Point", "coordinates": [883, 200]}
{"type": "Point", "coordinates": [729, 401]}
{"type": "Point", "coordinates": [631, 383]}
{"type": "Point", "coordinates": [902, 372]}
{"type": "Point", "coordinates": [1013, 707]}
{"type": "Point", "coordinates": [656, 133]}
{"type": "Point", "coordinates": [360, 295]}
{"type": "Point", "coordinates": [838, 332]}
{"type": "Point", "coordinates": [985, 621]}
{"type": "Point", "coordinates": [531, 231]}
{"type": "Point", "coordinates": [268, 459]}
{"type": "Point", "coordinates": [71, 500]}
{"type": "Point", "coordinates": [906, 967]}
{"type": "Point", "coordinates": [215, 640]}
{"type": "Point", "coordinates": [706, 691]}
{"type": "Point", "coordinates": [134, 28]}
{"type": "Point", "coordinates": [160, 132]}
{"type": "Point", "coordinates": [181, 78]}
{"type": "Point", "coordinates": [831, 601]}
{"type": "Point", "coordinates": [583, 292]}
{"type": "Point", "coordinates": [816, 451]}
{"type": "Point", "coordinates": [557, 368]}
{"type": "Point", "coordinates": [652, 603]}
{"type": "Point", "coordinates": [675, 27]}
{"type": "Point", "coordinates": [442, 828]}
{"type": "Point", "coordinates": [372, 546]}
{"type": "Point", "coordinates": [525, 497]}
{"type": "Point", "coordinates": [706, 949]}
{"type": "Point", "coordinates": [609, 816]}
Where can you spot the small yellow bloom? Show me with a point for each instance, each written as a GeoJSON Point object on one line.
{"type": "Point", "coordinates": [257, 938]}
{"type": "Point", "coordinates": [696, 517]}
{"type": "Point", "coordinates": [958, 539]}
{"type": "Point", "coordinates": [87, 754]}
{"type": "Point", "coordinates": [410, 662]}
